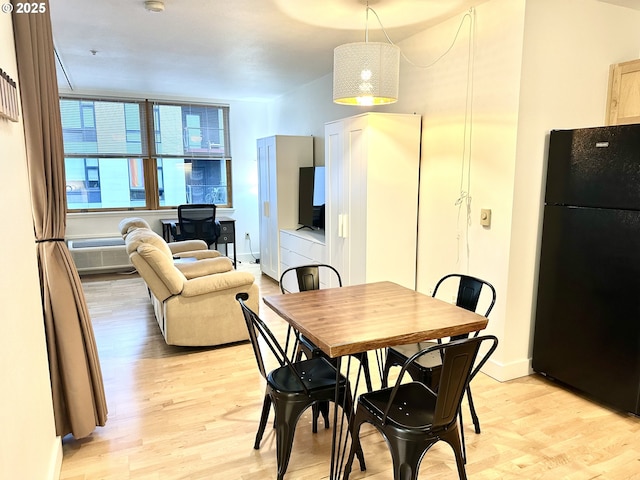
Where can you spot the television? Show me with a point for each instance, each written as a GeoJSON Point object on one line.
{"type": "Point", "coordinates": [311, 198]}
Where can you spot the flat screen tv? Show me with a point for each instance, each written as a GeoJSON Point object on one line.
{"type": "Point", "coordinates": [311, 198]}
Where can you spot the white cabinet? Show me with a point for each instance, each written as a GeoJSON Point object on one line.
{"type": "Point", "coordinates": [372, 162]}
{"type": "Point", "coordinates": [301, 247]}
{"type": "Point", "coordinates": [279, 160]}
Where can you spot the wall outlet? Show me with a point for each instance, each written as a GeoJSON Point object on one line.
{"type": "Point", "coordinates": [246, 235]}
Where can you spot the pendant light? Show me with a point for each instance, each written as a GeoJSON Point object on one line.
{"type": "Point", "coordinates": [366, 73]}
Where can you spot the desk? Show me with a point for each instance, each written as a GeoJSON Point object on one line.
{"type": "Point", "coordinates": [360, 318]}
{"type": "Point", "coordinates": [227, 233]}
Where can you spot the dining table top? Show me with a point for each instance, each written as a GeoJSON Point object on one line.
{"type": "Point", "coordinates": [359, 318]}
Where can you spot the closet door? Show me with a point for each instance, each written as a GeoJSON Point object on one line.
{"type": "Point", "coordinates": [356, 170]}
{"type": "Point", "coordinates": [336, 183]}
{"type": "Point", "coordinates": [268, 206]}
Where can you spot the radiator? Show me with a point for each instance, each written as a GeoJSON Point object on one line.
{"type": "Point", "coordinates": [99, 254]}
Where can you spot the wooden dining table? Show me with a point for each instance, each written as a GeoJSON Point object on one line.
{"type": "Point", "coordinates": [372, 316]}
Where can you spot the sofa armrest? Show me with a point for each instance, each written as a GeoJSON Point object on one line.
{"type": "Point", "coordinates": [204, 267]}
{"type": "Point", "coordinates": [198, 254]}
{"type": "Point", "coordinates": [187, 246]}
{"type": "Point", "coordinates": [217, 282]}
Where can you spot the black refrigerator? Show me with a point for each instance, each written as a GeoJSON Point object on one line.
{"type": "Point", "coordinates": [587, 326]}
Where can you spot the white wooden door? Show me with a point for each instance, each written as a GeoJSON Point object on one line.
{"type": "Point", "coordinates": [337, 200]}
{"type": "Point", "coordinates": [268, 206]}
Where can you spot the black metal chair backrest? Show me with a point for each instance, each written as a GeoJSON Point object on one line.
{"type": "Point", "coordinates": [198, 221]}
{"type": "Point", "coordinates": [458, 370]}
{"type": "Point", "coordinates": [469, 290]}
{"type": "Point", "coordinates": [308, 276]}
{"type": "Point", "coordinates": [257, 328]}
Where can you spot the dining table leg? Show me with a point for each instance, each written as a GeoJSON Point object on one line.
{"type": "Point", "coordinates": [334, 472]}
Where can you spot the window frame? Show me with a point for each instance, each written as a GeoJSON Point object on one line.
{"type": "Point", "coordinates": [149, 116]}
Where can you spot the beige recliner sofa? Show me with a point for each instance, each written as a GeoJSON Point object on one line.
{"type": "Point", "coordinates": [193, 296]}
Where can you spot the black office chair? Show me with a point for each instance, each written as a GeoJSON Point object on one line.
{"type": "Point", "coordinates": [428, 369]}
{"type": "Point", "coordinates": [291, 388]}
{"type": "Point", "coordinates": [308, 278]}
{"type": "Point", "coordinates": [413, 417]}
{"type": "Point", "coordinates": [197, 222]}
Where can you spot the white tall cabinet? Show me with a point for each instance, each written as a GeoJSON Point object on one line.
{"type": "Point", "coordinates": [279, 160]}
{"type": "Point", "coordinates": [372, 162]}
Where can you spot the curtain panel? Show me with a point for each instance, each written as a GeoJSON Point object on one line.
{"type": "Point", "coordinates": [76, 379]}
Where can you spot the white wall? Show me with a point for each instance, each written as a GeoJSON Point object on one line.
{"type": "Point", "coordinates": [29, 447]}
{"type": "Point", "coordinates": [568, 47]}
{"type": "Point", "coordinates": [539, 65]}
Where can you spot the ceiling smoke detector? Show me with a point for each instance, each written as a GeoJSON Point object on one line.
{"type": "Point", "coordinates": [154, 5]}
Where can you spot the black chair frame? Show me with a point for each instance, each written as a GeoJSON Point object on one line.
{"type": "Point", "coordinates": [197, 221]}
{"type": "Point", "coordinates": [308, 278]}
{"type": "Point", "coordinates": [412, 417]}
{"type": "Point", "coordinates": [427, 369]}
{"type": "Point", "coordinates": [291, 388]}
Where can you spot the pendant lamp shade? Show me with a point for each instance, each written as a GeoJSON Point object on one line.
{"type": "Point", "coordinates": [366, 73]}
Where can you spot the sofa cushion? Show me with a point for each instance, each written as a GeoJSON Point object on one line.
{"type": "Point", "coordinates": [163, 266]}
{"type": "Point", "coordinates": [126, 225]}
{"type": "Point", "coordinates": [141, 236]}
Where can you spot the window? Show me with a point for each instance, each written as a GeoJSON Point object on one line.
{"type": "Point", "coordinates": [144, 154]}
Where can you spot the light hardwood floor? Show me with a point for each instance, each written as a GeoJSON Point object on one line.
{"type": "Point", "coordinates": [192, 413]}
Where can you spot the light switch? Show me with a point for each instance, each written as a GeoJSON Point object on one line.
{"type": "Point", "coordinates": [485, 217]}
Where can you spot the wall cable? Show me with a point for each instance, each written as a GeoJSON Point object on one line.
{"type": "Point", "coordinates": [464, 199]}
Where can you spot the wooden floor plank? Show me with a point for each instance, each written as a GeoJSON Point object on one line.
{"type": "Point", "coordinates": [192, 413]}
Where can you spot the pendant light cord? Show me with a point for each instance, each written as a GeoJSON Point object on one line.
{"type": "Point", "coordinates": [366, 27]}
{"type": "Point", "coordinates": [469, 15]}
{"type": "Point", "coordinates": [463, 201]}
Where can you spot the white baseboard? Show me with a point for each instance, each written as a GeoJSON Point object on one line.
{"type": "Point", "coordinates": [55, 465]}
{"type": "Point", "coordinates": [504, 372]}
{"type": "Point", "coordinates": [247, 257]}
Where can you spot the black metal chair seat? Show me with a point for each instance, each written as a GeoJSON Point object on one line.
{"type": "Point", "coordinates": [413, 417]}
{"type": "Point", "coordinates": [413, 406]}
{"type": "Point", "coordinates": [427, 368]}
{"type": "Point", "coordinates": [316, 374]}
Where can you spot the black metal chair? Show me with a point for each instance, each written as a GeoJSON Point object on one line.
{"type": "Point", "coordinates": [197, 222]}
{"type": "Point", "coordinates": [412, 417]}
{"type": "Point", "coordinates": [308, 278]}
{"type": "Point", "coordinates": [291, 388]}
{"type": "Point", "coordinates": [428, 369]}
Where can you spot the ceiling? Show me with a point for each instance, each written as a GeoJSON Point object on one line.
{"type": "Point", "coordinates": [223, 49]}
{"type": "Point", "coordinates": [220, 49]}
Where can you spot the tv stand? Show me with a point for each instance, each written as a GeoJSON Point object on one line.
{"type": "Point", "coordinates": [301, 247]}
{"type": "Point", "coordinates": [306, 226]}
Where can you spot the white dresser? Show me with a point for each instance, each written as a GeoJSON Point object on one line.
{"type": "Point", "coordinates": [301, 247]}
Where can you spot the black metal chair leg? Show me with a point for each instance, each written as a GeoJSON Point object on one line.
{"type": "Point", "coordinates": [464, 446]}
{"type": "Point", "coordinates": [287, 414]}
{"type": "Point", "coordinates": [452, 438]}
{"type": "Point", "coordinates": [266, 406]}
{"type": "Point", "coordinates": [315, 409]}
{"type": "Point", "coordinates": [474, 415]}
{"type": "Point", "coordinates": [323, 408]}
{"type": "Point", "coordinates": [356, 448]}
{"type": "Point", "coordinates": [364, 361]}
